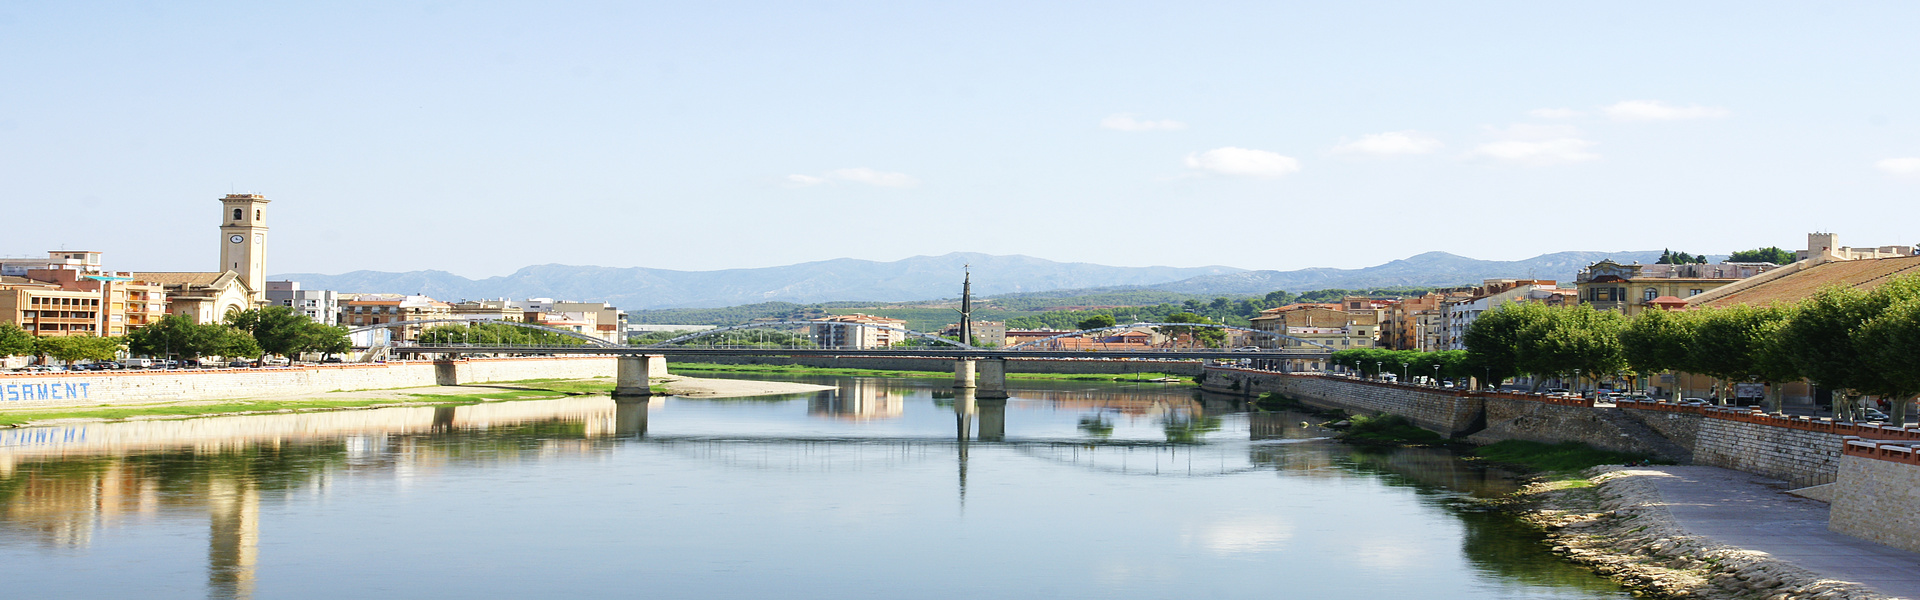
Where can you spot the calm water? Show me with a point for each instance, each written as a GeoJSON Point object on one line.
{"type": "Point", "coordinates": [1074, 490]}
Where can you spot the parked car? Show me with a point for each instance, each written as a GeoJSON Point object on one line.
{"type": "Point", "coordinates": [1874, 414]}
{"type": "Point", "coordinates": [332, 359]}
{"type": "Point", "coordinates": [240, 364]}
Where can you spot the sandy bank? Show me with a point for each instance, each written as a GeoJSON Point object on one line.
{"type": "Point", "coordinates": [693, 387]}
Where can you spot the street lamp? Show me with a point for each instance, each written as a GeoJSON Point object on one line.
{"type": "Point", "coordinates": [1405, 375]}
{"type": "Point", "coordinates": [1436, 376]}
{"type": "Point", "coordinates": [1576, 382]}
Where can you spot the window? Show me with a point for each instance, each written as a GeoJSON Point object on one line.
{"type": "Point", "coordinates": [1694, 291]}
{"type": "Point", "coordinates": [1650, 294]}
{"type": "Point", "coordinates": [236, 214]}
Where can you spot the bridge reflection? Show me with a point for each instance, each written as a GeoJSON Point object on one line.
{"type": "Point", "coordinates": [60, 486]}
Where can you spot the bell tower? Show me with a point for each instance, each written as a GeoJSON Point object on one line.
{"type": "Point", "coordinates": [243, 241]}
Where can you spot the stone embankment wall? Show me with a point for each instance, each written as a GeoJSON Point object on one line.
{"type": "Point", "coordinates": [1794, 449]}
{"type": "Point", "coordinates": [126, 387]}
{"type": "Point", "coordinates": [1878, 486]}
{"type": "Point", "coordinates": [1016, 365]}
{"type": "Point", "coordinates": [1446, 412]}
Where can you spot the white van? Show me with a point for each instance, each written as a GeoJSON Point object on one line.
{"type": "Point", "coordinates": [138, 363]}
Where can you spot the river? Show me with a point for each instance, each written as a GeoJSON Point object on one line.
{"type": "Point", "coordinates": [1067, 490]}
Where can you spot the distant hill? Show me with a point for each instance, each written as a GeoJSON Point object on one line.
{"type": "Point", "coordinates": [1432, 269]}
{"type": "Point", "coordinates": [1025, 283]}
{"type": "Point", "coordinates": [916, 278]}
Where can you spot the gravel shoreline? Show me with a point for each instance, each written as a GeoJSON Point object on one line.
{"type": "Point", "coordinates": [1621, 528]}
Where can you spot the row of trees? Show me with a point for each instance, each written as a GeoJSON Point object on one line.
{"type": "Point", "coordinates": [15, 341]}
{"type": "Point", "coordinates": [1843, 339]}
{"type": "Point", "coordinates": [1373, 361]}
{"type": "Point", "coordinates": [271, 330]}
{"type": "Point", "coordinates": [495, 333]}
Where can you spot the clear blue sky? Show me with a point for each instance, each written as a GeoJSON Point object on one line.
{"type": "Point", "coordinates": [706, 135]}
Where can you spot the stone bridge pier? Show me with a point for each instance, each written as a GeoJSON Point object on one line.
{"type": "Point", "coordinates": [963, 373]}
{"type": "Point", "coordinates": [632, 378]}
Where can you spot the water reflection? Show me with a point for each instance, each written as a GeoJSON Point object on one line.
{"type": "Point", "coordinates": [81, 486]}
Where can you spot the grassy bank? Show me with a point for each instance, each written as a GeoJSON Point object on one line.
{"type": "Point", "coordinates": [1388, 430]}
{"type": "Point", "coordinates": [530, 389]}
{"type": "Point", "coordinates": [679, 367]}
{"type": "Point", "coordinates": [1562, 461]}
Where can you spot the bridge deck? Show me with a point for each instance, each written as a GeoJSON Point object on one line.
{"type": "Point", "coordinates": [955, 353]}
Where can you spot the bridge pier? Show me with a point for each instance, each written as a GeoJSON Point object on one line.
{"type": "Point", "coordinates": [992, 379]}
{"type": "Point", "coordinates": [963, 373]}
{"type": "Point", "coordinates": [633, 375]}
{"type": "Point", "coordinates": [630, 416]}
{"type": "Point", "coordinates": [991, 413]}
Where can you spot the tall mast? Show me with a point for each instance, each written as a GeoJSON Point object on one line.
{"type": "Point", "coordinates": [966, 307]}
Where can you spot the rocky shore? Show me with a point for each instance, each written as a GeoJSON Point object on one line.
{"type": "Point", "coordinates": [1618, 526]}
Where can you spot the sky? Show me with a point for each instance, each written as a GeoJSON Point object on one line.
{"type": "Point", "coordinates": [478, 137]}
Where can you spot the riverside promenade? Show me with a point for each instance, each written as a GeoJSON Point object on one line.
{"type": "Point", "coordinates": [1756, 513]}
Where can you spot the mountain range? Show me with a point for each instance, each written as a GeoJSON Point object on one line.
{"type": "Point", "coordinates": [932, 277]}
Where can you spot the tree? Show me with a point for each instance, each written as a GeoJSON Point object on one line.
{"type": "Point", "coordinates": [15, 341]}
{"type": "Point", "coordinates": [178, 335]}
{"type": "Point", "coordinates": [1211, 337]}
{"type": "Point", "coordinates": [1573, 341]}
{"type": "Point", "coordinates": [1656, 342]}
{"type": "Point", "coordinates": [1732, 343]}
{"type": "Point", "coordinates": [1493, 340]}
{"type": "Point", "coordinates": [1891, 344]}
{"type": "Point", "coordinates": [1669, 257]}
{"type": "Point", "coordinates": [281, 331]}
{"type": "Point", "coordinates": [1097, 322]}
{"type": "Point", "coordinates": [1819, 340]}
{"type": "Point", "coordinates": [1770, 254]}
{"type": "Point", "coordinates": [78, 347]}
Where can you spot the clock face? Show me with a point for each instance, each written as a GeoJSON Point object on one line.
{"type": "Point", "coordinates": [237, 239]}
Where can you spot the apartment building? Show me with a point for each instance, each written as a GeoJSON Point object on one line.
{"type": "Point", "coordinates": [847, 331]}
{"type": "Point", "coordinates": [376, 309]}
{"type": "Point", "coordinates": [323, 306]}
{"type": "Point", "coordinates": [69, 293]}
{"type": "Point", "coordinates": [1351, 323]}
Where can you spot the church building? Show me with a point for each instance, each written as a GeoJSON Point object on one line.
{"type": "Point", "coordinates": [240, 283]}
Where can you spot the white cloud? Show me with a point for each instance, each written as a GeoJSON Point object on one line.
{"type": "Point", "coordinates": [804, 180]}
{"type": "Point", "coordinates": [1654, 110]}
{"type": "Point", "coordinates": [1537, 145]}
{"type": "Point", "coordinates": [1390, 143]}
{"type": "Point", "coordinates": [855, 175]}
{"type": "Point", "coordinates": [1243, 162]}
{"type": "Point", "coordinates": [1900, 166]}
{"type": "Point", "coordinates": [1555, 113]}
{"type": "Point", "coordinates": [1127, 122]}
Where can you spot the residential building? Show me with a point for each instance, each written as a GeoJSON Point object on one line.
{"type": "Point", "coordinates": [1141, 338]}
{"type": "Point", "coordinates": [985, 333]}
{"type": "Point", "coordinates": [323, 306]}
{"type": "Point", "coordinates": [857, 331]}
{"type": "Point", "coordinates": [602, 320]}
{"type": "Point", "coordinates": [46, 310]}
{"type": "Point", "coordinates": [114, 301]}
{"type": "Point", "coordinates": [377, 309]}
{"type": "Point", "coordinates": [488, 310]}
{"type": "Point", "coordinates": [1629, 288]}
{"type": "Point", "coordinates": [1327, 324]}
{"type": "Point", "coordinates": [1461, 313]}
